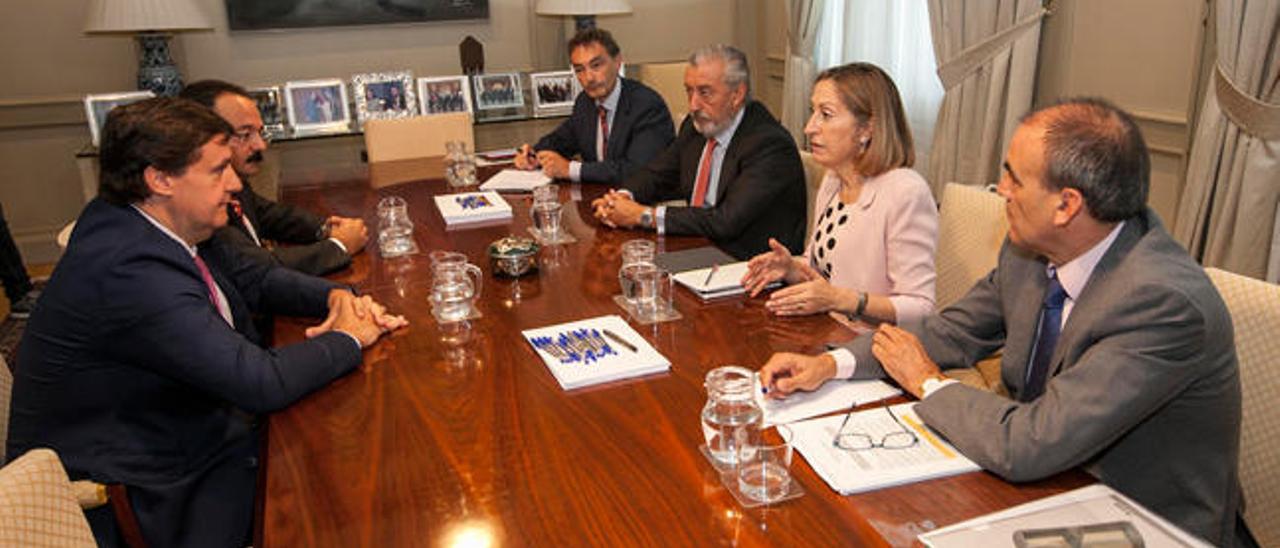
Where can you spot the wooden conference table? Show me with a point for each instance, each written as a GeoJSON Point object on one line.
{"type": "Point", "coordinates": [443, 438]}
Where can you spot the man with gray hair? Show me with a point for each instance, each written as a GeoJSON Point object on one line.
{"type": "Point", "coordinates": [735, 164]}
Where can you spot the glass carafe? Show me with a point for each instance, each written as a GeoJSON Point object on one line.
{"type": "Point", "coordinates": [455, 287]}
{"type": "Point", "coordinates": [731, 419]}
{"type": "Point", "coordinates": [395, 229]}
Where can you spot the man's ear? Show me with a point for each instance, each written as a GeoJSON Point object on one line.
{"type": "Point", "coordinates": [1071, 203]}
{"type": "Point", "coordinates": [159, 182]}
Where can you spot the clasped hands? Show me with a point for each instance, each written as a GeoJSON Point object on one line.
{"type": "Point", "coordinates": [351, 232]}
{"type": "Point", "coordinates": [550, 162]}
{"type": "Point", "coordinates": [899, 352]}
{"type": "Point", "coordinates": [807, 292]}
{"type": "Point", "coordinates": [360, 317]}
{"type": "Point", "coordinates": [617, 209]}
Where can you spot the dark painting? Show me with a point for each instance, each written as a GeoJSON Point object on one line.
{"type": "Point", "coordinates": [277, 14]}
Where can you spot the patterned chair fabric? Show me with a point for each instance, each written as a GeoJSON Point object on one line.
{"type": "Point", "coordinates": [37, 506]}
{"type": "Point", "coordinates": [1255, 314]}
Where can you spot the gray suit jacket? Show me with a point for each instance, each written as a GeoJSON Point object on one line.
{"type": "Point", "coordinates": [1144, 390]}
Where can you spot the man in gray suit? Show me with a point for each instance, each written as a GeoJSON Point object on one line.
{"type": "Point", "coordinates": [1118, 352]}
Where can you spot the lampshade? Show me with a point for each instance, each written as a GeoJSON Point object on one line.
{"type": "Point", "coordinates": [145, 15]}
{"type": "Point", "coordinates": [582, 7]}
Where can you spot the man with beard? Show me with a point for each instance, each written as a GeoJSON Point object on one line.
{"type": "Point", "coordinates": [617, 124]}
{"type": "Point", "coordinates": [320, 245]}
{"type": "Point", "coordinates": [735, 164]}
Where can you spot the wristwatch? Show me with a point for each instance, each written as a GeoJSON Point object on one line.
{"type": "Point", "coordinates": [646, 218]}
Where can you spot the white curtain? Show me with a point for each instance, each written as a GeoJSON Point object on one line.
{"type": "Point", "coordinates": [987, 52]}
{"type": "Point", "coordinates": [802, 31]}
{"type": "Point", "coordinates": [894, 35]}
{"type": "Point", "coordinates": [1227, 216]}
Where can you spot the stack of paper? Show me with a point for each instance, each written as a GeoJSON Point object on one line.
{"type": "Point", "coordinates": [869, 469]}
{"type": "Point", "coordinates": [831, 396]}
{"type": "Point", "coordinates": [594, 351]}
{"type": "Point", "coordinates": [515, 180]}
{"type": "Point", "coordinates": [472, 207]}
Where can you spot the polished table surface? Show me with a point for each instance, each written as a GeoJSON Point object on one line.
{"type": "Point", "coordinates": [445, 438]}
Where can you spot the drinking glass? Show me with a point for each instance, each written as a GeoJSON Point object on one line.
{"type": "Point", "coordinates": [637, 255]}
{"type": "Point", "coordinates": [546, 193]}
{"type": "Point", "coordinates": [654, 289]}
{"type": "Point", "coordinates": [764, 474]}
{"type": "Point", "coordinates": [546, 220]}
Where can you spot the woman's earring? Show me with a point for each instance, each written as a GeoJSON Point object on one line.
{"type": "Point", "coordinates": [864, 143]}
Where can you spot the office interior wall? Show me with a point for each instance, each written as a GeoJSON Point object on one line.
{"type": "Point", "coordinates": [1145, 56]}
{"type": "Point", "coordinates": [49, 64]}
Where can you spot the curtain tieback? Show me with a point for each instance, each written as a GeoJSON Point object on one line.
{"type": "Point", "coordinates": [956, 69]}
{"type": "Point", "coordinates": [1258, 119]}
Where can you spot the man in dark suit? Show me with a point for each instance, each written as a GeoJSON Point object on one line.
{"type": "Point", "coordinates": [735, 164]}
{"type": "Point", "coordinates": [1118, 353]}
{"type": "Point", "coordinates": [617, 124]}
{"type": "Point", "coordinates": [317, 245]}
{"type": "Point", "coordinates": [140, 363]}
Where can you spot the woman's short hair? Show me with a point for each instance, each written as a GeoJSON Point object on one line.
{"type": "Point", "coordinates": [165, 132]}
{"type": "Point", "coordinates": [870, 94]}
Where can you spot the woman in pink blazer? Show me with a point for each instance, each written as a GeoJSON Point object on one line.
{"type": "Point", "coordinates": [875, 224]}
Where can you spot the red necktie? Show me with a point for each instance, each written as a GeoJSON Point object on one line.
{"type": "Point", "coordinates": [208, 281]}
{"type": "Point", "coordinates": [604, 133]}
{"type": "Point", "coordinates": [704, 174]}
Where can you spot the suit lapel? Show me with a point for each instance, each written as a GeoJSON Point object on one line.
{"type": "Point", "coordinates": [1022, 313]}
{"type": "Point", "coordinates": [621, 126]}
{"type": "Point", "coordinates": [729, 167]}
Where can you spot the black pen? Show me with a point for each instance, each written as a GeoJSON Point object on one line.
{"type": "Point", "coordinates": [714, 268]}
{"type": "Point", "coordinates": [620, 340]}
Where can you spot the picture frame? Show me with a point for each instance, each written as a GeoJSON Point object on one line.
{"type": "Point", "coordinates": [498, 91]}
{"type": "Point", "coordinates": [444, 94]}
{"type": "Point", "coordinates": [554, 92]}
{"type": "Point", "coordinates": [270, 108]}
{"type": "Point", "coordinates": [317, 106]}
{"type": "Point", "coordinates": [384, 95]}
{"type": "Point", "coordinates": [97, 105]}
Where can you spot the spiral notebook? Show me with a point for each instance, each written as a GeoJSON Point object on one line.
{"type": "Point", "coordinates": [594, 351]}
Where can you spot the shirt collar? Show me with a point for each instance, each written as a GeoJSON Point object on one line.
{"type": "Point", "coordinates": [726, 134]}
{"type": "Point", "coordinates": [1076, 273]}
{"type": "Point", "coordinates": [190, 248]}
{"type": "Point", "coordinates": [610, 101]}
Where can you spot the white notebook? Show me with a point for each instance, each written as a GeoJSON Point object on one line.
{"type": "Point", "coordinates": [856, 471]}
{"type": "Point", "coordinates": [594, 351]}
{"type": "Point", "coordinates": [515, 180]}
{"type": "Point", "coordinates": [725, 282]}
{"type": "Point", "coordinates": [472, 207]}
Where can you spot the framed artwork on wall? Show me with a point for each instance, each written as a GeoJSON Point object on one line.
{"type": "Point", "coordinates": [270, 108]}
{"type": "Point", "coordinates": [498, 91]}
{"type": "Point", "coordinates": [96, 107]}
{"type": "Point", "coordinates": [443, 94]}
{"type": "Point", "coordinates": [553, 92]}
{"type": "Point", "coordinates": [384, 95]}
{"type": "Point", "coordinates": [285, 14]}
{"type": "Point", "coordinates": [317, 106]}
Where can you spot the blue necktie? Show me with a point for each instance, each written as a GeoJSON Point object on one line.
{"type": "Point", "coordinates": [1046, 338]}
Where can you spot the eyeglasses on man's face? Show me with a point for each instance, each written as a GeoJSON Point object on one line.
{"type": "Point", "coordinates": [860, 441]}
{"type": "Point", "coordinates": [246, 135]}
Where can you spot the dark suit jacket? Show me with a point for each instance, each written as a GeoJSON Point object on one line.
{"type": "Point", "coordinates": [641, 129]}
{"type": "Point", "coordinates": [1144, 389]}
{"type": "Point", "coordinates": [130, 374]}
{"type": "Point", "coordinates": [761, 193]}
{"type": "Point", "coordinates": [310, 252]}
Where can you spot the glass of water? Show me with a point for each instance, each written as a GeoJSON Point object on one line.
{"type": "Point", "coordinates": [637, 255]}
{"type": "Point", "coordinates": [654, 289]}
{"type": "Point", "coordinates": [546, 220]}
{"type": "Point", "coordinates": [765, 474]}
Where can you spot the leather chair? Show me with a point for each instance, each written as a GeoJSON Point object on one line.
{"type": "Point", "coordinates": [1255, 314]}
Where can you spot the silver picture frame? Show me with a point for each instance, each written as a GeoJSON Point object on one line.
{"type": "Point", "coordinates": [444, 94]}
{"type": "Point", "coordinates": [554, 92]}
{"type": "Point", "coordinates": [97, 105]}
{"type": "Point", "coordinates": [384, 95]}
{"type": "Point", "coordinates": [270, 108]}
{"type": "Point", "coordinates": [498, 91]}
{"type": "Point", "coordinates": [317, 106]}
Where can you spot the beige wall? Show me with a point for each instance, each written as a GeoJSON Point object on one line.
{"type": "Point", "coordinates": [49, 64]}
{"type": "Point", "coordinates": [1142, 54]}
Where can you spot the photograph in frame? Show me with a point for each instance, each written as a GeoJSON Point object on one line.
{"type": "Point", "coordinates": [444, 94]}
{"type": "Point", "coordinates": [384, 95]}
{"type": "Point", "coordinates": [96, 107]}
{"type": "Point", "coordinates": [270, 108]}
{"type": "Point", "coordinates": [554, 92]}
{"type": "Point", "coordinates": [498, 91]}
{"type": "Point", "coordinates": [317, 106]}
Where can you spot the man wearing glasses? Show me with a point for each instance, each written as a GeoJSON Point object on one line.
{"type": "Point", "coordinates": [1118, 354]}
{"type": "Point", "coordinates": [320, 245]}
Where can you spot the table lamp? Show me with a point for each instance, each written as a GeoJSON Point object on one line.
{"type": "Point", "coordinates": [584, 12]}
{"type": "Point", "coordinates": [154, 21]}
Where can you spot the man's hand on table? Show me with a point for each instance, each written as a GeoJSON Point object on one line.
{"type": "Point", "coordinates": [351, 232]}
{"type": "Point", "coordinates": [618, 210]}
{"type": "Point", "coordinates": [361, 317]}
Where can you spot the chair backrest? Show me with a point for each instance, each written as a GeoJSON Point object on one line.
{"type": "Point", "coordinates": [971, 228]}
{"type": "Point", "coordinates": [668, 80]}
{"type": "Point", "coordinates": [6, 395]}
{"type": "Point", "coordinates": [416, 137]}
{"type": "Point", "coordinates": [1255, 313]}
{"type": "Point", "coordinates": [813, 173]}
{"type": "Point", "coordinates": [37, 505]}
